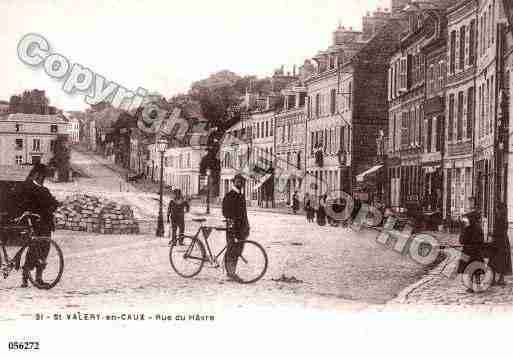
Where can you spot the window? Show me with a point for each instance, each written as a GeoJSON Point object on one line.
{"type": "Point", "coordinates": [459, 125]}
{"type": "Point", "coordinates": [472, 43]}
{"type": "Point", "coordinates": [317, 105]}
{"type": "Point", "coordinates": [291, 101]}
{"type": "Point", "coordinates": [271, 128]}
{"type": "Point", "coordinates": [36, 160]}
{"type": "Point", "coordinates": [332, 62]}
{"type": "Point", "coordinates": [52, 145]}
{"type": "Point", "coordinates": [470, 112]}
{"type": "Point", "coordinates": [492, 98]}
{"type": "Point", "coordinates": [19, 127]}
{"type": "Point", "coordinates": [493, 24]}
{"type": "Point", "coordinates": [53, 128]}
{"type": "Point", "coordinates": [18, 159]}
{"type": "Point", "coordinates": [19, 144]}
{"type": "Point", "coordinates": [36, 144]}
{"type": "Point", "coordinates": [462, 47]}
{"type": "Point", "coordinates": [302, 97]}
{"type": "Point", "coordinates": [450, 124]}
{"type": "Point", "coordinates": [333, 102]}
{"type": "Point", "coordinates": [452, 49]}
{"type": "Point", "coordinates": [429, 133]}
{"type": "Point", "coordinates": [350, 96]}
{"type": "Point", "coordinates": [266, 128]}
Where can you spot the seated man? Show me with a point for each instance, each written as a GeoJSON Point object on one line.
{"type": "Point", "coordinates": [32, 196]}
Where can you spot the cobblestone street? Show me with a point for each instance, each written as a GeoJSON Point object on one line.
{"type": "Point", "coordinates": [336, 269]}
{"type": "Point", "coordinates": [437, 289]}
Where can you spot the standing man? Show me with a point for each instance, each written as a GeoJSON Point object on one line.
{"type": "Point", "coordinates": [176, 214]}
{"type": "Point", "coordinates": [32, 196]}
{"type": "Point", "coordinates": [235, 211]}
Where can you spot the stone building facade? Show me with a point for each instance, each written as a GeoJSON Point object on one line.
{"type": "Point", "coordinates": [290, 135]}
{"type": "Point", "coordinates": [29, 138]}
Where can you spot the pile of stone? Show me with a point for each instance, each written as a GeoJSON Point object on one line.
{"type": "Point", "coordinates": [82, 212]}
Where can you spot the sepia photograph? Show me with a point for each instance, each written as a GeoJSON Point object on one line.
{"type": "Point", "coordinates": [283, 178]}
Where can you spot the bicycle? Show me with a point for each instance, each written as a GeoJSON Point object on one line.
{"type": "Point", "coordinates": [251, 263]}
{"type": "Point", "coordinates": [23, 235]}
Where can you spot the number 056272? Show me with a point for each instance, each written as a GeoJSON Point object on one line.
{"type": "Point", "coordinates": [23, 345]}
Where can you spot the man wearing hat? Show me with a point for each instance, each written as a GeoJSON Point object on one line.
{"type": "Point", "coordinates": [32, 196]}
{"type": "Point", "coordinates": [235, 211]}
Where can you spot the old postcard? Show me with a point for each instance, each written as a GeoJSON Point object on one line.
{"type": "Point", "coordinates": [299, 178]}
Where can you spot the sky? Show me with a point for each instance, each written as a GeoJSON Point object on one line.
{"type": "Point", "coordinates": [165, 45]}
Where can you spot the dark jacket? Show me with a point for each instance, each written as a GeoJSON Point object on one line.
{"type": "Point", "coordinates": [37, 199]}
{"type": "Point", "coordinates": [234, 208]}
{"type": "Point", "coordinates": [176, 210]}
{"type": "Point", "coordinates": [472, 239]}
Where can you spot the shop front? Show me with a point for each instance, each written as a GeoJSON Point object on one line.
{"type": "Point", "coordinates": [371, 185]}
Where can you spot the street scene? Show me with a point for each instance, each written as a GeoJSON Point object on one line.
{"type": "Point", "coordinates": [359, 161]}
{"type": "Point", "coordinates": [329, 267]}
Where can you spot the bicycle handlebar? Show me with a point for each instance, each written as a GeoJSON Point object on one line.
{"type": "Point", "coordinates": [26, 214]}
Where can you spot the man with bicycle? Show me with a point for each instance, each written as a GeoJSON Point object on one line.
{"type": "Point", "coordinates": [235, 211]}
{"type": "Point", "coordinates": [33, 197]}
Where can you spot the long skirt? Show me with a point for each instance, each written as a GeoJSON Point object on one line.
{"type": "Point", "coordinates": [500, 260]}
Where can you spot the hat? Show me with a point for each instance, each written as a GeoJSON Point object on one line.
{"type": "Point", "coordinates": [238, 176]}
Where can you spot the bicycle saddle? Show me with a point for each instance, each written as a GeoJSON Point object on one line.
{"type": "Point", "coordinates": [199, 220]}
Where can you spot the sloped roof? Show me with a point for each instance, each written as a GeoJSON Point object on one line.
{"type": "Point", "coordinates": [32, 117]}
{"type": "Point", "coordinates": [14, 173]}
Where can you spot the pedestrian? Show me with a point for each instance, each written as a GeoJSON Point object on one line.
{"type": "Point", "coordinates": [472, 239]}
{"type": "Point", "coordinates": [295, 202]}
{"type": "Point", "coordinates": [500, 259]}
{"type": "Point", "coordinates": [235, 211]}
{"type": "Point", "coordinates": [321, 211]}
{"type": "Point", "coordinates": [176, 215]}
{"type": "Point", "coordinates": [32, 196]}
{"type": "Point", "coordinates": [308, 207]}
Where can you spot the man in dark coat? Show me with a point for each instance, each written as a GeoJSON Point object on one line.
{"type": "Point", "coordinates": [176, 214]}
{"type": "Point", "coordinates": [33, 197]}
{"type": "Point", "coordinates": [235, 211]}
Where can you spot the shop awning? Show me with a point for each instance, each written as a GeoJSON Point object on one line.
{"type": "Point", "coordinates": [370, 171]}
{"type": "Point", "coordinates": [263, 180]}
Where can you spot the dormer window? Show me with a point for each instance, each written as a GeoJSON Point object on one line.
{"type": "Point", "coordinates": [53, 128]}
{"type": "Point", "coordinates": [19, 127]}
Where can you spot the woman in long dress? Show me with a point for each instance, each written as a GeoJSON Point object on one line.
{"type": "Point", "coordinates": [500, 259]}
{"type": "Point", "coordinates": [321, 212]}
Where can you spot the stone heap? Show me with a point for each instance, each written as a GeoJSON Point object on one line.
{"type": "Point", "coordinates": [82, 212]}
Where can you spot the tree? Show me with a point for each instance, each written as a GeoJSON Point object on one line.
{"type": "Point", "coordinates": [33, 101]}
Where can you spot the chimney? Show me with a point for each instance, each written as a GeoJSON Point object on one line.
{"type": "Point", "coordinates": [294, 71]}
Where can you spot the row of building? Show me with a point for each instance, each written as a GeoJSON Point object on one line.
{"type": "Point", "coordinates": [411, 111]}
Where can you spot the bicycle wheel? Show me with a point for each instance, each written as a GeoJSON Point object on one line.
{"type": "Point", "coordinates": [52, 265]}
{"type": "Point", "coordinates": [251, 264]}
{"type": "Point", "coordinates": [187, 260]}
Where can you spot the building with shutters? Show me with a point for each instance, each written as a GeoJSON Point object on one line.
{"type": "Point", "coordinates": [416, 85]}
{"type": "Point", "coordinates": [347, 107]}
{"type": "Point", "coordinates": [29, 138]}
{"type": "Point", "coordinates": [460, 107]}
{"type": "Point", "coordinates": [290, 135]}
{"type": "Point", "coordinates": [248, 148]}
